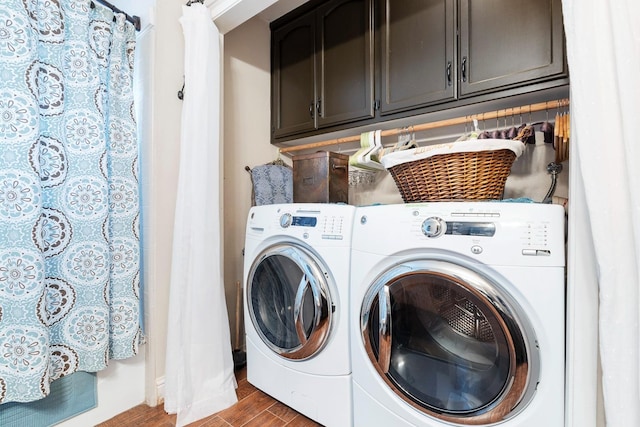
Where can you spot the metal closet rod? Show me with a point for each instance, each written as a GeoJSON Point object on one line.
{"type": "Point", "coordinates": [135, 20]}
{"type": "Point", "coordinates": [505, 112]}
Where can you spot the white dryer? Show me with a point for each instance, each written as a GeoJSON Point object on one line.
{"type": "Point", "coordinates": [458, 315]}
{"type": "Point", "coordinates": [296, 307]}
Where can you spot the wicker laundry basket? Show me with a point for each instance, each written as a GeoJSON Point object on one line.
{"type": "Point", "coordinates": [469, 170]}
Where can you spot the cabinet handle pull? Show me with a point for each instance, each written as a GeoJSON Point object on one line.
{"type": "Point", "coordinates": [464, 69]}
{"type": "Point", "coordinates": [311, 109]}
{"type": "Point", "coordinates": [449, 73]}
{"type": "Point", "coordinates": [318, 110]}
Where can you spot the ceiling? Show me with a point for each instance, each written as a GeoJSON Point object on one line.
{"type": "Point", "coordinates": [279, 8]}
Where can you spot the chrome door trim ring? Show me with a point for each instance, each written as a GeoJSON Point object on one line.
{"type": "Point", "coordinates": [318, 279]}
{"type": "Point", "coordinates": [523, 376]}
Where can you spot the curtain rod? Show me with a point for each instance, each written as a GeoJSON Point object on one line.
{"type": "Point", "coordinates": [504, 112]}
{"type": "Point", "coordinates": [135, 20]}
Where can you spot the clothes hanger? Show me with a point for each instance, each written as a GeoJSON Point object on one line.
{"type": "Point", "coordinates": [278, 161]}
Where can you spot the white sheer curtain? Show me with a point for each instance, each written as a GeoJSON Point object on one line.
{"type": "Point", "coordinates": [603, 44]}
{"type": "Point", "coordinates": [199, 364]}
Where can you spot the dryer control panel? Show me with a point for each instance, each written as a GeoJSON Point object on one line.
{"type": "Point", "coordinates": [529, 234]}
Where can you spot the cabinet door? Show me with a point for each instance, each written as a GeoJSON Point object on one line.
{"type": "Point", "coordinates": [344, 62]}
{"type": "Point", "coordinates": [417, 53]}
{"type": "Point", "coordinates": [292, 77]}
{"type": "Point", "coordinates": [509, 43]}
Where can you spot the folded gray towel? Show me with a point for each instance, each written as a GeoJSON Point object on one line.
{"type": "Point", "coordinates": [271, 184]}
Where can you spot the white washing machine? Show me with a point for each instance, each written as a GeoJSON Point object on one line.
{"type": "Point", "coordinates": [296, 307]}
{"type": "Point", "coordinates": [458, 315]}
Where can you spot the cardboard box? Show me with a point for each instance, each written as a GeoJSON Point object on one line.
{"type": "Point", "coordinates": [321, 177]}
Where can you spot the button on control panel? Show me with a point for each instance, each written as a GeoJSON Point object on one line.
{"type": "Point", "coordinates": [536, 252]}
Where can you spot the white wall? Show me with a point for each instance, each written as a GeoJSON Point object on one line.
{"type": "Point", "coordinates": [246, 137]}
{"type": "Point", "coordinates": [163, 156]}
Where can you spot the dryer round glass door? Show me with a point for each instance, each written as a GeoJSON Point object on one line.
{"type": "Point", "coordinates": [450, 342]}
{"type": "Point", "coordinates": [289, 301]}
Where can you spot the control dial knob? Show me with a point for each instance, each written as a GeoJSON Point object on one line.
{"type": "Point", "coordinates": [434, 227]}
{"type": "Point", "coordinates": [285, 220]}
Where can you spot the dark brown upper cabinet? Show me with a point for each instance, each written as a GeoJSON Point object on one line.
{"type": "Point", "coordinates": [506, 43]}
{"type": "Point", "coordinates": [430, 55]}
{"type": "Point", "coordinates": [293, 92]}
{"type": "Point", "coordinates": [435, 51]}
{"type": "Point", "coordinates": [418, 56]}
{"type": "Point", "coordinates": [322, 68]}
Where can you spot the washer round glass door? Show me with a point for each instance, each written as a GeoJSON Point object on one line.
{"type": "Point", "coordinates": [289, 301]}
{"type": "Point", "coordinates": [449, 342]}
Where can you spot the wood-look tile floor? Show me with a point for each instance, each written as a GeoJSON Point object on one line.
{"type": "Point", "coordinates": [254, 409]}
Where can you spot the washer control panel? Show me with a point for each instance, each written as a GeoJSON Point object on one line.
{"type": "Point", "coordinates": [330, 227]}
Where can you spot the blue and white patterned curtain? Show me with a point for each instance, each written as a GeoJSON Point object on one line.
{"type": "Point", "coordinates": [69, 232]}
